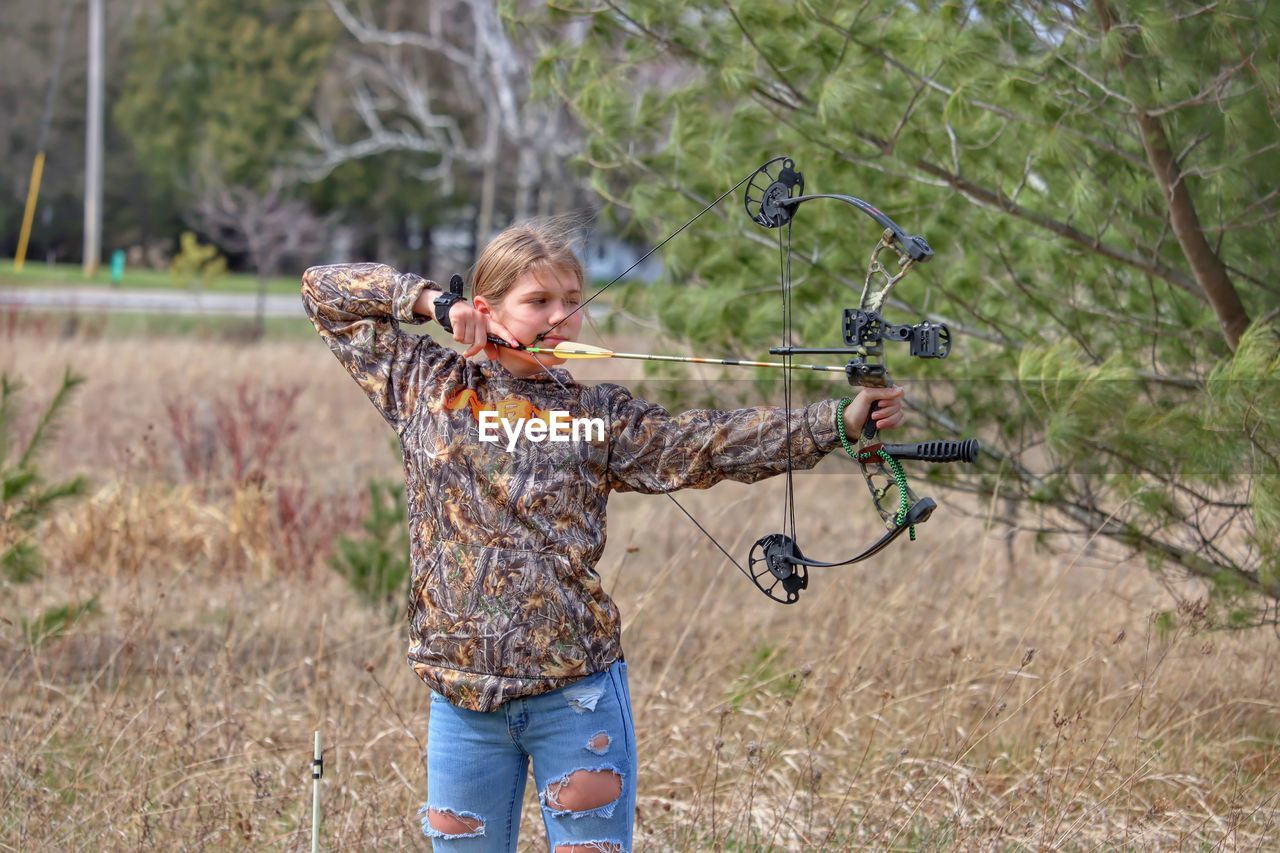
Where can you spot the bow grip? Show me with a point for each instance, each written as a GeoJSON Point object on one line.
{"type": "Point", "coordinates": [866, 375]}
{"type": "Point", "coordinates": [869, 429]}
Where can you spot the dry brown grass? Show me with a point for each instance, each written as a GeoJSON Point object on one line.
{"type": "Point", "coordinates": [899, 705]}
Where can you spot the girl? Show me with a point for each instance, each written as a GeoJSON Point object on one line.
{"type": "Point", "coordinates": [508, 623]}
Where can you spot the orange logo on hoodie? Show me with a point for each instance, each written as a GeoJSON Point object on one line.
{"type": "Point", "coordinates": [511, 409]}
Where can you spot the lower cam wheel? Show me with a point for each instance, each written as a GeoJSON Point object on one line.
{"type": "Point", "coordinates": [775, 562]}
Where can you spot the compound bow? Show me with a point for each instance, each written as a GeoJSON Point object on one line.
{"type": "Point", "coordinates": [776, 564]}
{"type": "Point", "coordinates": [771, 200]}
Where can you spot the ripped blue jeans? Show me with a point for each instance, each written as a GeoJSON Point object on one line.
{"type": "Point", "coordinates": [582, 742]}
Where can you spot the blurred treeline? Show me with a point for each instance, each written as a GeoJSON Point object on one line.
{"type": "Point", "coordinates": [284, 131]}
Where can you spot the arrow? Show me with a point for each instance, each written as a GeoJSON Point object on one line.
{"type": "Point", "coordinates": [573, 349]}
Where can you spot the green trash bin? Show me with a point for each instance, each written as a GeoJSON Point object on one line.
{"type": "Point", "coordinates": [117, 267]}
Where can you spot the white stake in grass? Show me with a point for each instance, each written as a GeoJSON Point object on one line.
{"type": "Point", "coordinates": [317, 770]}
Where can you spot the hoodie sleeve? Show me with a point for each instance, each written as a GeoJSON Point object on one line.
{"type": "Point", "coordinates": [358, 309]}
{"type": "Point", "coordinates": [653, 451]}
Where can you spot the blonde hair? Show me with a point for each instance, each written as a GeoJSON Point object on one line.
{"type": "Point", "coordinates": [533, 246]}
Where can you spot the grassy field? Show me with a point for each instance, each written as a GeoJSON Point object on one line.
{"type": "Point", "coordinates": [964, 691]}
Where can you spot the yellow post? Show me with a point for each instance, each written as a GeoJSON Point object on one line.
{"type": "Point", "coordinates": [33, 192]}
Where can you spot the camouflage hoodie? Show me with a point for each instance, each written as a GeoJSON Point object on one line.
{"type": "Point", "coordinates": [504, 600]}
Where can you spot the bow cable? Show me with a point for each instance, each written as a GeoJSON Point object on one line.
{"type": "Point", "coordinates": [646, 255]}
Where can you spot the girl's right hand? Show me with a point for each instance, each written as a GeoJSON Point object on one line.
{"type": "Point", "coordinates": [472, 327]}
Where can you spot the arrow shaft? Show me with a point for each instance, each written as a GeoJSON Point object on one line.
{"type": "Point", "coordinates": [732, 362]}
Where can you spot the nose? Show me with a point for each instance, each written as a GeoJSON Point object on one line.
{"type": "Point", "coordinates": [560, 311]}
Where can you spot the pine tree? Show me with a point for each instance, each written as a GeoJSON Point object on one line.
{"type": "Point", "coordinates": [1097, 182]}
{"type": "Point", "coordinates": [26, 499]}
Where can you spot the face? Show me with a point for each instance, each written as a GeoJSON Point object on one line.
{"type": "Point", "coordinates": [536, 303]}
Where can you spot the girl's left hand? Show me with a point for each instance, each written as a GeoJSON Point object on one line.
{"type": "Point", "coordinates": [888, 415]}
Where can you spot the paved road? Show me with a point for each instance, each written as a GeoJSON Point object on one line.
{"type": "Point", "coordinates": [149, 301]}
{"type": "Point", "coordinates": [166, 302]}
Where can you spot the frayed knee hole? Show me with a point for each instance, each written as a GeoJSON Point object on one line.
{"type": "Point", "coordinates": [590, 847]}
{"type": "Point", "coordinates": [583, 790]}
{"type": "Point", "coordinates": [449, 823]}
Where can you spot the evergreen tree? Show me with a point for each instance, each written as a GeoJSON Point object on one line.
{"type": "Point", "coordinates": [220, 87]}
{"type": "Point", "coordinates": [376, 564]}
{"type": "Point", "coordinates": [26, 499]}
{"type": "Point", "coordinates": [1097, 182]}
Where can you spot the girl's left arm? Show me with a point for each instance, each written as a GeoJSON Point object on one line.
{"type": "Point", "coordinates": [653, 451]}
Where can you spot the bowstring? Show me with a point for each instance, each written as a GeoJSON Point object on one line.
{"type": "Point", "coordinates": [784, 260]}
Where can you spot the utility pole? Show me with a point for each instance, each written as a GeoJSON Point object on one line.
{"type": "Point", "coordinates": [93, 144]}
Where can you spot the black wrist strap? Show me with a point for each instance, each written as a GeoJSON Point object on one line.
{"type": "Point", "coordinates": [445, 301]}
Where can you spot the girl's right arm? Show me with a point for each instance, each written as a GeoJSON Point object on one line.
{"type": "Point", "coordinates": [358, 309]}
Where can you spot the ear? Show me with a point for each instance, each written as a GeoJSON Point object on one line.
{"type": "Point", "coordinates": [482, 304]}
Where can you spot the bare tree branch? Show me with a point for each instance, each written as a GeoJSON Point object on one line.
{"type": "Point", "coordinates": [451, 84]}
{"type": "Point", "coordinates": [267, 224]}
